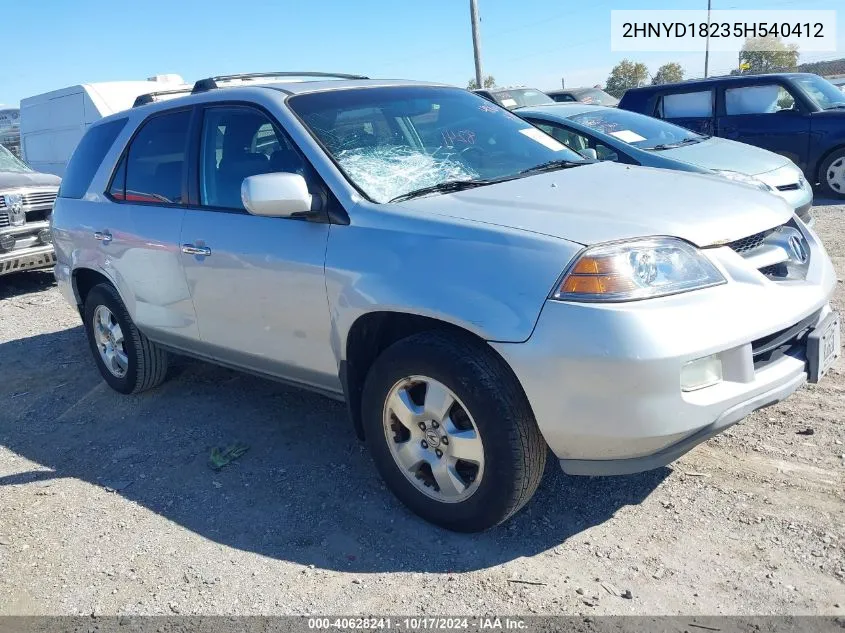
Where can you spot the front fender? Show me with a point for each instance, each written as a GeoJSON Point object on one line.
{"type": "Point", "coordinates": [489, 280]}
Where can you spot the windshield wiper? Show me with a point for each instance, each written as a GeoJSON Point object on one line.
{"type": "Point", "coordinates": [443, 187]}
{"type": "Point", "coordinates": [553, 165]}
{"type": "Point", "coordinates": [836, 106]}
{"type": "Point", "coordinates": [686, 141]}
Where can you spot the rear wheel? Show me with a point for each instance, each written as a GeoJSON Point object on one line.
{"type": "Point", "coordinates": [451, 432]}
{"type": "Point", "coordinates": [832, 174]}
{"type": "Point", "coordinates": [128, 361]}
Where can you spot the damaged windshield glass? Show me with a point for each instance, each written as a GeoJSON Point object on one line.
{"type": "Point", "coordinates": [393, 141]}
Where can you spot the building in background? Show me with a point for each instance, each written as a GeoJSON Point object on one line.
{"type": "Point", "coordinates": [10, 129]}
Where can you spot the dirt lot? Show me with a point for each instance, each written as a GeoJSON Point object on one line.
{"type": "Point", "coordinates": [108, 504]}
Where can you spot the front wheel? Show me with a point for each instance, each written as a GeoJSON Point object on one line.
{"type": "Point", "coordinates": [451, 431]}
{"type": "Point", "coordinates": [832, 174]}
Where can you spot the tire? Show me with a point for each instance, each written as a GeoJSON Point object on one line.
{"type": "Point", "coordinates": [514, 452]}
{"type": "Point", "coordinates": [832, 174]}
{"type": "Point", "coordinates": [145, 362]}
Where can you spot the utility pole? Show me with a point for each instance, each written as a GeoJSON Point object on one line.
{"type": "Point", "coordinates": [707, 42]}
{"type": "Point", "coordinates": [476, 42]}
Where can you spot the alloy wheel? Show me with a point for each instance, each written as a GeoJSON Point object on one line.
{"type": "Point", "coordinates": [433, 439]}
{"type": "Point", "coordinates": [110, 342]}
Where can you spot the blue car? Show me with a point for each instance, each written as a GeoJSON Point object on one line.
{"type": "Point", "coordinates": [627, 137]}
{"type": "Point", "coordinates": [798, 115]}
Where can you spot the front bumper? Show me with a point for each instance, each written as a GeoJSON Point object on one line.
{"type": "Point", "coordinates": [30, 253]}
{"type": "Point", "coordinates": [604, 380]}
{"type": "Point", "coordinates": [27, 259]}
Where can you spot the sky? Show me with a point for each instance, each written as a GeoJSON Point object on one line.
{"type": "Point", "coordinates": [535, 43]}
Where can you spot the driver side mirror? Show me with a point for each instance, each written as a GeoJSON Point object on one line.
{"type": "Point", "coordinates": [277, 195]}
{"type": "Point", "coordinates": [589, 153]}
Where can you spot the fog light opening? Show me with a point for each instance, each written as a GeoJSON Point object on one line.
{"type": "Point", "coordinates": [7, 243]}
{"type": "Point", "coordinates": [701, 373]}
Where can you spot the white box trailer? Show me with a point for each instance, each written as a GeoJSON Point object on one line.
{"type": "Point", "coordinates": [51, 124]}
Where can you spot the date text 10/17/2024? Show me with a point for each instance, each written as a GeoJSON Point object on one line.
{"type": "Point", "coordinates": [418, 623]}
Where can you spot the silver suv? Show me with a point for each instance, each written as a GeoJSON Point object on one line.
{"type": "Point", "coordinates": [475, 291]}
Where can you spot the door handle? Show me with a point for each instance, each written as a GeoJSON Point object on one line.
{"type": "Point", "coordinates": [103, 236]}
{"type": "Point", "coordinates": [190, 249]}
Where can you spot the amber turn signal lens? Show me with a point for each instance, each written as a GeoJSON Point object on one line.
{"type": "Point", "coordinates": [596, 284]}
{"type": "Point", "coordinates": [594, 266]}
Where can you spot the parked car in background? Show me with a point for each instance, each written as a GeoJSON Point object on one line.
{"type": "Point", "coordinates": [595, 96]}
{"type": "Point", "coordinates": [797, 115]}
{"type": "Point", "coordinates": [26, 201]}
{"type": "Point", "coordinates": [636, 139]}
{"type": "Point", "coordinates": [52, 123]}
{"type": "Point", "coordinates": [512, 98]}
{"type": "Point", "coordinates": [473, 289]}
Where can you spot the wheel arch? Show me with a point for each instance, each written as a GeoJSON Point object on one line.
{"type": "Point", "coordinates": [373, 332]}
{"type": "Point", "coordinates": [83, 280]}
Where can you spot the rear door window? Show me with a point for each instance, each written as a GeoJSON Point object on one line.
{"type": "Point", "coordinates": [687, 105]}
{"type": "Point", "coordinates": [155, 162]}
{"type": "Point", "coordinates": [692, 110]}
{"type": "Point", "coordinates": [763, 99]}
{"type": "Point", "coordinates": [87, 157]}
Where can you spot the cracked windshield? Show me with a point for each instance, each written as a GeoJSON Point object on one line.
{"type": "Point", "coordinates": [392, 142]}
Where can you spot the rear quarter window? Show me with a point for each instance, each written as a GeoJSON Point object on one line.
{"type": "Point", "coordinates": [87, 156]}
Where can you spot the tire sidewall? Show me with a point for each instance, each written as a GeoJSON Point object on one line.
{"type": "Point", "coordinates": [828, 190]}
{"type": "Point", "coordinates": [490, 503]}
{"type": "Point", "coordinates": [108, 297]}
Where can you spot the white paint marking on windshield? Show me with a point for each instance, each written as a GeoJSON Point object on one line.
{"type": "Point", "coordinates": [544, 139]}
{"type": "Point", "coordinates": [627, 136]}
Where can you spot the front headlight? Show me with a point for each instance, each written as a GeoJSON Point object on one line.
{"type": "Point", "coordinates": [744, 178]}
{"type": "Point", "coordinates": [638, 269]}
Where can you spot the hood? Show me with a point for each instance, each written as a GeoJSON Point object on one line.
{"type": "Point", "coordinates": [14, 180]}
{"type": "Point", "coordinates": [607, 201]}
{"type": "Point", "coordinates": [720, 153]}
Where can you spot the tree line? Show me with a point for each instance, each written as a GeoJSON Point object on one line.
{"type": "Point", "coordinates": [752, 60]}
{"type": "Point", "coordinates": [779, 57]}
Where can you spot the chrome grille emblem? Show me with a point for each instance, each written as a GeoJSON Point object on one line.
{"type": "Point", "coordinates": [798, 249]}
{"type": "Point", "coordinates": [14, 204]}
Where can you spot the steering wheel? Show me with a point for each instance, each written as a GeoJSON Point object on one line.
{"type": "Point", "coordinates": [471, 155]}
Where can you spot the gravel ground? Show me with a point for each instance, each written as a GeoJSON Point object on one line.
{"type": "Point", "coordinates": [108, 504]}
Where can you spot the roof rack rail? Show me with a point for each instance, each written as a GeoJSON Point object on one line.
{"type": "Point", "coordinates": [211, 83]}
{"type": "Point", "coordinates": [152, 97]}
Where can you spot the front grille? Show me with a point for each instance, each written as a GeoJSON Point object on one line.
{"type": "Point", "coordinates": [793, 187]}
{"type": "Point", "coordinates": [4, 220]}
{"type": "Point", "coordinates": [41, 215]}
{"type": "Point", "coordinates": [2, 202]}
{"type": "Point", "coordinates": [39, 198]}
{"type": "Point", "coordinates": [751, 242]}
{"type": "Point", "coordinates": [775, 270]}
